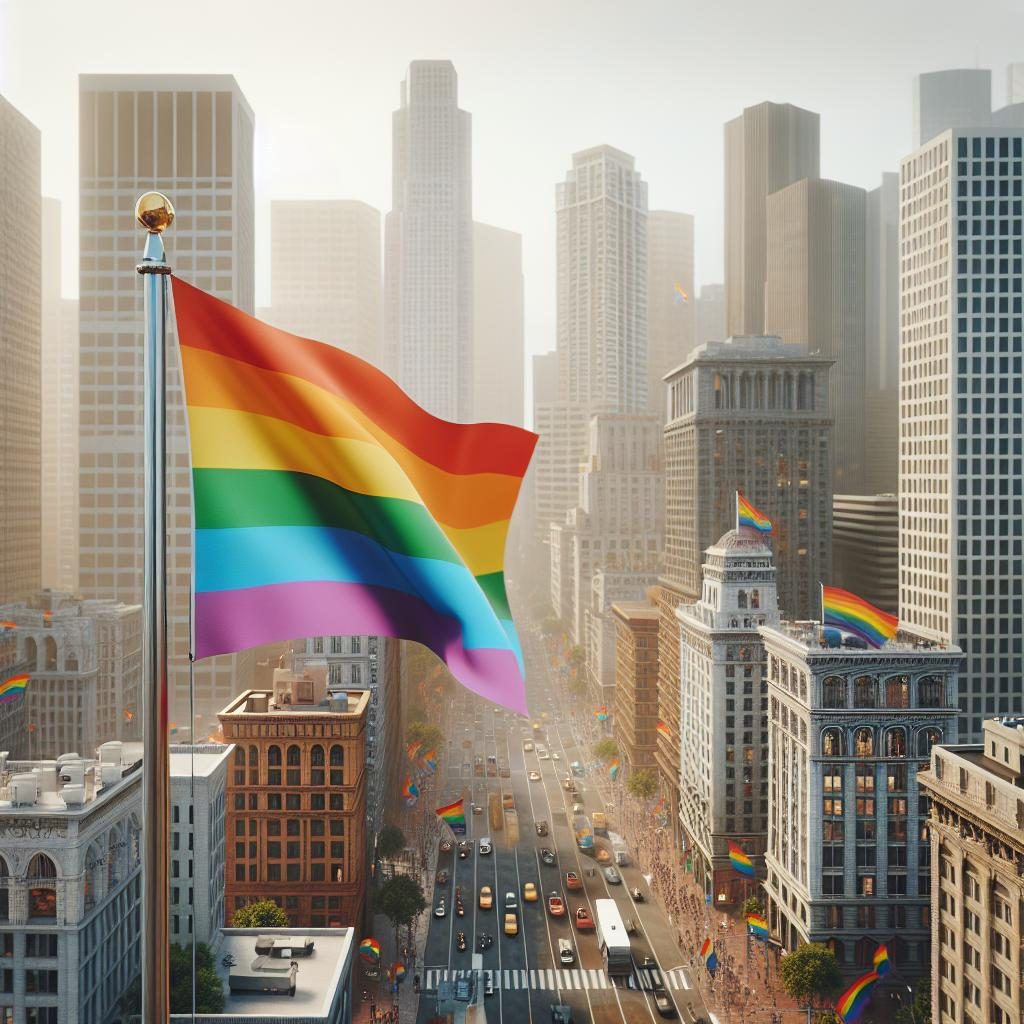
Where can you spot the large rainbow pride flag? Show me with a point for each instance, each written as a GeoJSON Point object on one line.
{"type": "Point", "coordinates": [13, 688]}
{"type": "Point", "coordinates": [454, 816]}
{"type": "Point", "coordinates": [852, 1003]}
{"type": "Point", "coordinates": [327, 501]}
{"type": "Point", "coordinates": [852, 614]}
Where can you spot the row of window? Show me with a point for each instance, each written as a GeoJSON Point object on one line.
{"type": "Point", "coordinates": [835, 742]}
{"type": "Point", "coordinates": [895, 692]}
{"type": "Point", "coordinates": [290, 801]}
{"type": "Point", "coordinates": [293, 827]}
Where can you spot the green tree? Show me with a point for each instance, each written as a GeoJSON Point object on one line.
{"type": "Point", "coordinates": [829, 1017]}
{"type": "Point", "coordinates": [810, 972]}
{"type": "Point", "coordinates": [605, 748]}
{"type": "Point", "coordinates": [401, 901]}
{"type": "Point", "coordinates": [752, 905]}
{"type": "Point", "coordinates": [919, 1011]}
{"type": "Point", "coordinates": [390, 842]}
{"type": "Point", "coordinates": [260, 914]}
{"type": "Point", "coordinates": [642, 784]}
{"type": "Point", "coordinates": [208, 988]}
{"type": "Point", "coordinates": [425, 733]}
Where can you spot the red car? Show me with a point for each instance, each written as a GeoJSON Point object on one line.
{"type": "Point", "coordinates": [573, 881]}
{"type": "Point", "coordinates": [584, 922]}
{"type": "Point", "coordinates": [556, 905]}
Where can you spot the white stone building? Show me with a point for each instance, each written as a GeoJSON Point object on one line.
{"type": "Point", "coordinates": [70, 885]}
{"type": "Point", "coordinates": [848, 855]}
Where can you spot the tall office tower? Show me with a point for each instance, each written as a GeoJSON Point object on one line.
{"type": "Point", "coordinates": [711, 314]}
{"type": "Point", "coordinates": [429, 244]}
{"type": "Point", "coordinates": [72, 893]}
{"type": "Point", "coordinates": [199, 775]}
{"type": "Point", "coordinates": [848, 855]}
{"type": "Point", "coordinates": [59, 448]}
{"type": "Point", "coordinates": [865, 547]}
{"type": "Point", "coordinates": [767, 148]}
{"type": "Point", "coordinates": [602, 283]}
{"type": "Point", "coordinates": [961, 425]}
{"type": "Point", "coordinates": [1015, 83]}
{"type": "Point", "coordinates": [977, 874]}
{"type": "Point", "coordinates": [189, 136]}
{"type": "Point", "coordinates": [956, 98]}
{"type": "Point", "coordinates": [814, 299]}
{"type": "Point", "coordinates": [562, 427]}
{"type": "Point", "coordinates": [303, 752]}
{"type": "Point", "coordinates": [498, 341]}
{"type": "Point", "coordinates": [635, 719]}
{"type": "Point", "coordinates": [325, 272]}
{"type": "Point", "coordinates": [545, 378]}
{"type": "Point", "coordinates": [882, 338]}
{"type": "Point", "coordinates": [20, 346]}
{"type": "Point", "coordinates": [671, 300]}
{"type": "Point", "coordinates": [723, 694]}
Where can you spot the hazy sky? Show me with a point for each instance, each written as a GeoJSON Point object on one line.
{"type": "Point", "coordinates": [542, 79]}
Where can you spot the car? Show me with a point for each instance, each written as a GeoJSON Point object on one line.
{"type": "Point", "coordinates": [440, 910]}
{"type": "Point", "coordinates": [578, 808]}
{"type": "Point", "coordinates": [441, 878]}
{"type": "Point", "coordinates": [542, 754]}
{"type": "Point", "coordinates": [511, 924]}
{"type": "Point", "coordinates": [465, 849]}
{"type": "Point", "coordinates": [529, 892]}
{"type": "Point", "coordinates": [630, 925]}
{"type": "Point", "coordinates": [511, 901]}
{"type": "Point", "coordinates": [478, 808]}
{"type": "Point", "coordinates": [488, 983]}
{"type": "Point", "coordinates": [584, 922]}
{"type": "Point", "coordinates": [555, 755]}
{"type": "Point", "coordinates": [548, 857]}
{"type": "Point", "coordinates": [638, 896]}
{"type": "Point", "coordinates": [527, 747]}
{"type": "Point", "coordinates": [566, 954]}
{"type": "Point", "coordinates": [534, 776]}
{"type": "Point", "coordinates": [573, 882]}
{"type": "Point", "coordinates": [556, 905]}
{"type": "Point", "coordinates": [612, 876]}
{"type": "Point", "coordinates": [508, 801]}
{"type": "Point", "coordinates": [486, 897]}
{"type": "Point", "coordinates": [603, 856]}
{"type": "Point", "coordinates": [663, 1004]}
{"type": "Point", "coordinates": [485, 845]}
{"type": "Point", "coordinates": [542, 828]}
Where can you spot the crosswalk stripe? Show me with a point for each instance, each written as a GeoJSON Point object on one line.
{"type": "Point", "coordinates": [552, 982]}
{"type": "Point", "coordinates": [566, 979]}
{"type": "Point", "coordinates": [506, 983]}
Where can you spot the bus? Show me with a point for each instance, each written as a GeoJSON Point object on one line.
{"type": "Point", "coordinates": [584, 835]}
{"type": "Point", "coordinates": [612, 939]}
{"type": "Point", "coordinates": [600, 824]}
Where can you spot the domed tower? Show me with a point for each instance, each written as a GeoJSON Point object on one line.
{"type": "Point", "coordinates": [723, 710]}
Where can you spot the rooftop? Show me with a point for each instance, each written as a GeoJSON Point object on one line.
{"type": "Point", "coordinates": [636, 611]}
{"type": "Point", "coordinates": [200, 761]}
{"type": "Point", "coordinates": [300, 695]}
{"type": "Point", "coordinates": [809, 634]}
{"type": "Point", "coordinates": [749, 348]}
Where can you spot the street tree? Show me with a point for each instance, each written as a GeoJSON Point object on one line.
{"type": "Point", "coordinates": [605, 748]}
{"type": "Point", "coordinates": [428, 735]}
{"type": "Point", "coordinates": [919, 1009]}
{"type": "Point", "coordinates": [642, 784]}
{"type": "Point", "coordinates": [260, 914]}
{"type": "Point", "coordinates": [390, 842]}
{"type": "Point", "coordinates": [400, 899]}
{"type": "Point", "coordinates": [208, 986]}
{"type": "Point", "coordinates": [751, 905]}
{"type": "Point", "coordinates": [810, 973]}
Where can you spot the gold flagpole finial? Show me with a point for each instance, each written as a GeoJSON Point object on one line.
{"type": "Point", "coordinates": [154, 212]}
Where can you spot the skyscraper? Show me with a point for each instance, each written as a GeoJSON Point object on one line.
{"type": "Point", "coordinates": [671, 300]}
{"type": "Point", "coordinates": [602, 283]}
{"type": "Point", "coordinates": [191, 137]}
{"type": "Point", "coordinates": [954, 98]}
{"type": "Point", "coordinates": [766, 148]}
{"type": "Point", "coordinates": [961, 422]}
{"type": "Point", "coordinates": [20, 345]}
{"type": "Point", "coordinates": [1015, 83]}
{"type": "Point", "coordinates": [325, 272]}
{"type": "Point", "coordinates": [814, 299]}
{"type": "Point", "coordinates": [429, 244]}
{"type": "Point", "coordinates": [498, 356]}
{"type": "Point", "coordinates": [711, 314]}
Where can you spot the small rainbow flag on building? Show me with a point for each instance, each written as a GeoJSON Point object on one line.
{"type": "Point", "coordinates": [13, 688]}
{"type": "Point", "coordinates": [128, 714]}
{"type": "Point", "coordinates": [410, 792]}
{"type": "Point", "coordinates": [680, 294]}
{"type": "Point", "coordinates": [758, 925]}
{"type": "Point", "coordinates": [601, 713]}
{"type": "Point", "coordinates": [454, 816]}
{"type": "Point", "coordinates": [852, 614]}
{"type": "Point", "coordinates": [747, 515]}
{"type": "Point", "coordinates": [663, 729]}
{"type": "Point", "coordinates": [741, 863]}
{"type": "Point", "coordinates": [707, 954]}
{"type": "Point", "coordinates": [369, 950]}
{"type": "Point", "coordinates": [327, 501]}
{"type": "Point", "coordinates": [398, 972]}
{"type": "Point", "coordinates": [881, 960]}
{"type": "Point", "coordinates": [7, 624]}
{"type": "Point", "coordinates": [173, 728]}
{"type": "Point", "coordinates": [428, 762]}
{"type": "Point", "coordinates": [852, 1002]}
{"type": "Point", "coordinates": [613, 768]}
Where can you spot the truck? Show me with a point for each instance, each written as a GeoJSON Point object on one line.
{"type": "Point", "coordinates": [600, 823]}
{"type": "Point", "coordinates": [495, 814]}
{"type": "Point", "coordinates": [612, 939]}
{"type": "Point", "coordinates": [619, 851]}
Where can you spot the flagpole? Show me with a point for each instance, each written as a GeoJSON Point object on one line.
{"type": "Point", "coordinates": [155, 213]}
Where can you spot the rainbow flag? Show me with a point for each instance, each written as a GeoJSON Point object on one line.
{"type": "Point", "coordinates": [663, 730]}
{"type": "Point", "coordinates": [741, 863]}
{"type": "Point", "coordinates": [398, 972]}
{"type": "Point", "coordinates": [758, 926]}
{"type": "Point", "coordinates": [881, 960]}
{"type": "Point", "coordinates": [369, 950]}
{"type": "Point", "coordinates": [412, 750]}
{"type": "Point", "coordinates": [601, 713]}
{"type": "Point", "coordinates": [679, 293]}
{"type": "Point", "coordinates": [429, 761]}
{"type": "Point", "coordinates": [852, 614]}
{"type": "Point", "coordinates": [13, 688]}
{"type": "Point", "coordinates": [747, 515]}
{"type": "Point", "coordinates": [128, 714]}
{"type": "Point", "coordinates": [613, 768]}
{"type": "Point", "coordinates": [326, 501]}
{"type": "Point", "coordinates": [7, 624]}
{"type": "Point", "coordinates": [410, 792]}
{"type": "Point", "coordinates": [454, 816]}
{"type": "Point", "coordinates": [707, 954]}
{"type": "Point", "coordinates": [173, 728]}
{"type": "Point", "coordinates": [852, 1002]}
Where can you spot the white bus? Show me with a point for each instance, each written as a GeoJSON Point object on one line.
{"type": "Point", "coordinates": [612, 938]}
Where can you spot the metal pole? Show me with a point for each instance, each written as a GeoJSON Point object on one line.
{"type": "Point", "coordinates": [155, 213]}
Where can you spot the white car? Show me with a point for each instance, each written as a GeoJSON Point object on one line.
{"type": "Point", "coordinates": [440, 910]}
{"type": "Point", "coordinates": [534, 776]}
{"type": "Point", "coordinates": [485, 845]}
{"type": "Point", "coordinates": [542, 754]}
{"type": "Point", "coordinates": [556, 756]}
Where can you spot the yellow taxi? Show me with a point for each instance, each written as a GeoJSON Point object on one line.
{"type": "Point", "coordinates": [529, 892]}
{"type": "Point", "coordinates": [486, 897]}
{"type": "Point", "coordinates": [511, 924]}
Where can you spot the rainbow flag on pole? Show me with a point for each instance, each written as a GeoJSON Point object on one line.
{"type": "Point", "coordinates": [412, 750]}
{"type": "Point", "coordinates": [881, 960]}
{"type": "Point", "coordinates": [852, 1002]}
{"type": "Point", "coordinates": [852, 614]}
{"type": "Point", "coordinates": [662, 729]}
{"type": "Point", "coordinates": [707, 954]}
{"type": "Point", "coordinates": [410, 792]}
{"type": "Point", "coordinates": [747, 515]}
{"type": "Point", "coordinates": [369, 950]}
{"type": "Point", "coordinates": [613, 768]}
{"type": "Point", "coordinates": [327, 501]}
{"type": "Point", "coordinates": [741, 863]}
{"type": "Point", "coordinates": [758, 925]}
{"type": "Point", "coordinates": [454, 816]}
{"type": "Point", "coordinates": [428, 762]}
{"type": "Point", "coordinates": [13, 688]}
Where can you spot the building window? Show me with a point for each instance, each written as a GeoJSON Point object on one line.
{"type": "Point", "coordinates": [294, 756]}
{"type": "Point", "coordinates": [834, 692]}
{"type": "Point", "coordinates": [931, 691]}
{"type": "Point", "coordinates": [926, 739]}
{"type": "Point", "coordinates": [897, 692]}
{"type": "Point", "coordinates": [865, 778]}
{"type": "Point", "coordinates": [832, 743]}
{"type": "Point", "coordinates": [896, 742]}
{"type": "Point", "coordinates": [865, 690]}
{"type": "Point", "coordinates": [832, 885]}
{"type": "Point", "coordinates": [864, 742]}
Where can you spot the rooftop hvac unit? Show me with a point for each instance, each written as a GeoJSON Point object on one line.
{"type": "Point", "coordinates": [72, 774]}
{"type": "Point", "coordinates": [339, 703]}
{"type": "Point", "coordinates": [73, 796]}
{"type": "Point", "coordinates": [24, 790]}
{"type": "Point", "coordinates": [110, 774]}
{"type": "Point", "coordinates": [64, 758]}
{"type": "Point", "coordinates": [110, 753]}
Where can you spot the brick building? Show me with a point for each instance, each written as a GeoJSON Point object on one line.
{"type": "Point", "coordinates": [636, 681]}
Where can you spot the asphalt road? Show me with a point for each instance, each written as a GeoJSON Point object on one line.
{"type": "Point", "coordinates": [528, 976]}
